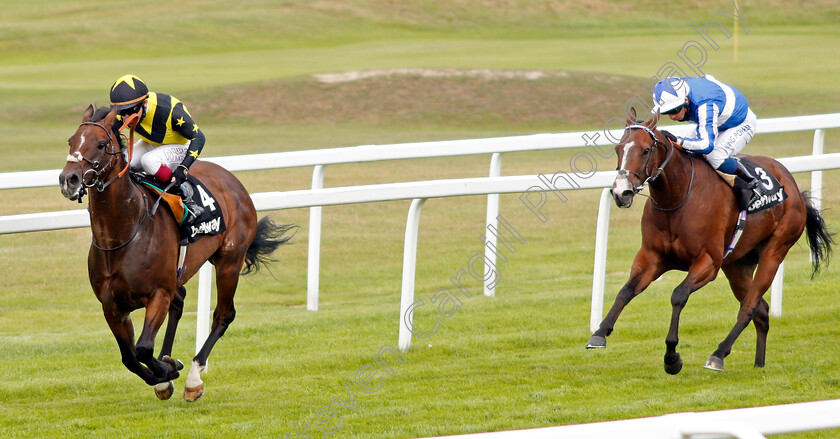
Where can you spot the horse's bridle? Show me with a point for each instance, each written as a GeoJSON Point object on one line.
{"type": "Point", "coordinates": [652, 177]}
{"type": "Point", "coordinates": [77, 157]}
{"type": "Point", "coordinates": [95, 172]}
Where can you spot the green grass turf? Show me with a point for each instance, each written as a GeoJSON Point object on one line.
{"type": "Point", "coordinates": [514, 361]}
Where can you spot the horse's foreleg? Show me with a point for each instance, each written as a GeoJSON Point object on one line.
{"type": "Point", "coordinates": [123, 331]}
{"type": "Point", "coordinates": [176, 309]}
{"type": "Point", "coordinates": [752, 307]}
{"type": "Point", "coordinates": [701, 272]}
{"type": "Point", "coordinates": [227, 278]}
{"type": "Point", "coordinates": [157, 307]}
{"type": "Point", "coordinates": [647, 266]}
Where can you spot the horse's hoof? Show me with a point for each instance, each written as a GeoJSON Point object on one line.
{"type": "Point", "coordinates": [673, 367]}
{"type": "Point", "coordinates": [191, 394]}
{"type": "Point", "coordinates": [176, 364]}
{"type": "Point", "coordinates": [165, 390]}
{"type": "Point", "coordinates": [714, 363]}
{"type": "Point", "coordinates": [596, 342]}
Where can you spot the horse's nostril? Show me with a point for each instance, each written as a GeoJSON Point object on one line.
{"type": "Point", "coordinates": [73, 180]}
{"type": "Point", "coordinates": [627, 193]}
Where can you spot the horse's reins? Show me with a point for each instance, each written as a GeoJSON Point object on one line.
{"type": "Point", "coordinates": [133, 235]}
{"type": "Point", "coordinates": [77, 157]}
{"type": "Point", "coordinates": [652, 177]}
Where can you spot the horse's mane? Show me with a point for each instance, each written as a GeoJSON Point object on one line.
{"type": "Point", "coordinates": [100, 114]}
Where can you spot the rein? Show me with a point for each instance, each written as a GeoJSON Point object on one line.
{"type": "Point", "coordinates": [651, 178]}
{"type": "Point", "coordinates": [133, 235]}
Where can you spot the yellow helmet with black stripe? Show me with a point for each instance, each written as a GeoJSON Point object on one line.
{"type": "Point", "coordinates": [128, 91]}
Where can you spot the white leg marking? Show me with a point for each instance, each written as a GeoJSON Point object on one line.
{"type": "Point", "coordinates": [194, 378]}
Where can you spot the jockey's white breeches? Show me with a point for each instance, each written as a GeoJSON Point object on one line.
{"type": "Point", "coordinates": [732, 141]}
{"type": "Point", "coordinates": [150, 158]}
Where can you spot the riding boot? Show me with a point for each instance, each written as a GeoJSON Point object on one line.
{"type": "Point", "coordinates": [743, 193]}
{"type": "Point", "coordinates": [194, 209]}
{"type": "Point", "coordinates": [749, 188]}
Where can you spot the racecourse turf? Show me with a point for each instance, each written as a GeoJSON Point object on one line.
{"type": "Point", "coordinates": [513, 361]}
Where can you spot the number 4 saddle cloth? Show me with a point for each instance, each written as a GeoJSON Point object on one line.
{"type": "Point", "coordinates": [210, 222]}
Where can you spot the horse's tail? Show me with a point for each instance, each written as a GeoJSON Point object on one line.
{"type": "Point", "coordinates": [819, 238]}
{"type": "Point", "coordinates": [269, 237]}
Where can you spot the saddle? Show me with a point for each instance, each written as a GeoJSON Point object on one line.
{"type": "Point", "coordinates": [211, 222]}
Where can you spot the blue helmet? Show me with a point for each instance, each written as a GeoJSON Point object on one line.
{"type": "Point", "coordinates": [669, 94]}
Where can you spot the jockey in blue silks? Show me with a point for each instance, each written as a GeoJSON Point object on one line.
{"type": "Point", "coordinates": [725, 123]}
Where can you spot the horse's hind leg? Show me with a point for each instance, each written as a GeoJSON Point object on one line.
{"type": "Point", "coordinates": [762, 326]}
{"type": "Point", "coordinates": [646, 268]}
{"type": "Point", "coordinates": [740, 277]}
{"type": "Point", "coordinates": [227, 278]}
{"type": "Point", "coordinates": [176, 309]}
{"type": "Point", "coordinates": [752, 306]}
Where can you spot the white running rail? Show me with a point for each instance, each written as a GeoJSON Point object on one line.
{"type": "Point", "coordinates": [744, 423]}
{"type": "Point", "coordinates": [496, 146]}
{"type": "Point", "coordinates": [421, 190]}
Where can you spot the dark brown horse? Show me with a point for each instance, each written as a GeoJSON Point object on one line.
{"type": "Point", "coordinates": [686, 224]}
{"type": "Point", "coordinates": [133, 255]}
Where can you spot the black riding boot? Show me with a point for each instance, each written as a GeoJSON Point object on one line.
{"type": "Point", "coordinates": [195, 210]}
{"type": "Point", "coordinates": [748, 189]}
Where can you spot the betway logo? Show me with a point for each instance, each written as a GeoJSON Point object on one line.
{"type": "Point", "coordinates": [767, 200]}
{"type": "Point", "coordinates": [206, 227]}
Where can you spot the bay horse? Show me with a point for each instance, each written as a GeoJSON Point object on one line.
{"type": "Point", "coordinates": [133, 255]}
{"type": "Point", "coordinates": [687, 222]}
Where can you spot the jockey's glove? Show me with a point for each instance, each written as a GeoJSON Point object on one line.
{"type": "Point", "coordinates": [180, 174]}
{"type": "Point", "coordinates": [669, 136]}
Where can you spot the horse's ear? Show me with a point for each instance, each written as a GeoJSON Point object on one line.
{"type": "Point", "coordinates": [631, 116]}
{"type": "Point", "coordinates": [654, 121]}
{"type": "Point", "coordinates": [111, 117]}
{"type": "Point", "coordinates": [88, 113]}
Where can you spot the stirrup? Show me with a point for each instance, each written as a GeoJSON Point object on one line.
{"type": "Point", "coordinates": [755, 192]}
{"type": "Point", "coordinates": [193, 211]}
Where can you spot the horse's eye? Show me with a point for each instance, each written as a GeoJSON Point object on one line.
{"type": "Point", "coordinates": [646, 151]}
{"type": "Point", "coordinates": [102, 144]}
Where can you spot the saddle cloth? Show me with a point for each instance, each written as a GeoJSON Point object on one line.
{"type": "Point", "coordinates": [772, 192]}
{"type": "Point", "coordinates": [210, 222]}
